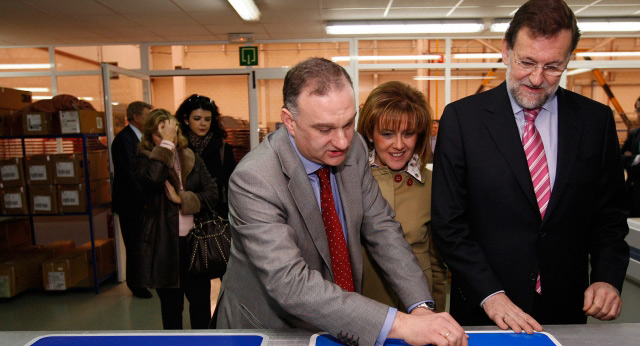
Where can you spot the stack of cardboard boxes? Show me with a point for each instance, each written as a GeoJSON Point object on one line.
{"type": "Point", "coordinates": [57, 266]}
{"type": "Point", "coordinates": [56, 183]}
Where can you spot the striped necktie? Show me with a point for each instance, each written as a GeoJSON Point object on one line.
{"type": "Point", "coordinates": [537, 161]}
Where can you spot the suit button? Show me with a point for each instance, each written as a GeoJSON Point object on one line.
{"type": "Point", "coordinates": [542, 234]}
{"type": "Point", "coordinates": [533, 276]}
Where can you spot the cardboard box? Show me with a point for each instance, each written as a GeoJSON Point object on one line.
{"type": "Point", "coordinates": [10, 123]}
{"type": "Point", "coordinates": [14, 99]}
{"type": "Point", "coordinates": [15, 233]}
{"type": "Point", "coordinates": [105, 257]}
{"type": "Point", "coordinates": [11, 172]}
{"type": "Point", "coordinates": [43, 199]}
{"type": "Point", "coordinates": [61, 246]}
{"type": "Point", "coordinates": [14, 201]}
{"type": "Point", "coordinates": [40, 123]}
{"type": "Point", "coordinates": [69, 168]}
{"type": "Point", "coordinates": [72, 198]}
{"type": "Point", "coordinates": [19, 274]}
{"type": "Point", "coordinates": [39, 170]}
{"type": "Point", "coordinates": [98, 165]}
{"type": "Point", "coordinates": [102, 190]}
{"type": "Point", "coordinates": [81, 121]}
{"type": "Point", "coordinates": [64, 271]}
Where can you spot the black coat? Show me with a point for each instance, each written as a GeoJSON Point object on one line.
{"type": "Point", "coordinates": [629, 152]}
{"type": "Point", "coordinates": [487, 223]}
{"type": "Point", "coordinates": [159, 249]}
{"type": "Point", "coordinates": [221, 171]}
{"type": "Point", "coordinates": [126, 194]}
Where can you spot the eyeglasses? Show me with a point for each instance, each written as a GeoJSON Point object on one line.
{"type": "Point", "coordinates": [199, 99]}
{"type": "Point", "coordinates": [530, 66]}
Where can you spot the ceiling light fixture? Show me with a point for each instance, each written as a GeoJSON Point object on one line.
{"type": "Point", "coordinates": [477, 56]}
{"type": "Point", "coordinates": [403, 27]}
{"type": "Point", "coordinates": [388, 57]}
{"type": "Point", "coordinates": [578, 71]}
{"type": "Point", "coordinates": [452, 77]}
{"type": "Point", "coordinates": [585, 25]}
{"type": "Point", "coordinates": [246, 9]}
{"type": "Point", "coordinates": [35, 90]}
{"type": "Point", "coordinates": [24, 66]}
{"type": "Point", "coordinates": [608, 54]}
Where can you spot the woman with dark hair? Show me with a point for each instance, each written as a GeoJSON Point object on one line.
{"type": "Point", "coordinates": [175, 185]}
{"type": "Point", "coordinates": [201, 123]}
{"type": "Point", "coordinates": [395, 121]}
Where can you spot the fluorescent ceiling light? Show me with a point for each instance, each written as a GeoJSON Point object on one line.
{"type": "Point", "coordinates": [608, 54]}
{"type": "Point", "coordinates": [85, 98]}
{"type": "Point", "coordinates": [246, 9]}
{"type": "Point", "coordinates": [478, 56]}
{"type": "Point", "coordinates": [609, 24]}
{"type": "Point", "coordinates": [404, 27]}
{"type": "Point", "coordinates": [23, 66]}
{"type": "Point", "coordinates": [41, 97]}
{"type": "Point", "coordinates": [388, 57]}
{"type": "Point", "coordinates": [585, 25]}
{"type": "Point", "coordinates": [500, 25]}
{"type": "Point", "coordinates": [578, 71]}
{"type": "Point", "coordinates": [452, 77]}
{"type": "Point", "coordinates": [35, 90]}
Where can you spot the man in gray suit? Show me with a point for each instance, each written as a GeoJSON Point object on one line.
{"type": "Point", "coordinates": [284, 271]}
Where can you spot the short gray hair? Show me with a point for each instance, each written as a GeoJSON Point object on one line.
{"type": "Point", "coordinates": [136, 107]}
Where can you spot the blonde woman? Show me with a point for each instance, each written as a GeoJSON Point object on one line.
{"type": "Point", "coordinates": [175, 185]}
{"type": "Point", "coordinates": [395, 121]}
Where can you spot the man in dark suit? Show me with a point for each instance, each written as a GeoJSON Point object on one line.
{"type": "Point", "coordinates": [301, 205]}
{"type": "Point", "coordinates": [631, 161]}
{"type": "Point", "coordinates": [519, 252]}
{"type": "Point", "coordinates": [126, 196]}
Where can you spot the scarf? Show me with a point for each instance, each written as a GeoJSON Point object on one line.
{"type": "Point", "coordinates": [199, 143]}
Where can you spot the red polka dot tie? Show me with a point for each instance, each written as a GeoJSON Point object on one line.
{"type": "Point", "coordinates": [340, 262]}
{"type": "Point", "coordinates": [537, 161]}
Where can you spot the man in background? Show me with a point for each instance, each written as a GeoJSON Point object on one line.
{"type": "Point", "coordinates": [301, 205]}
{"type": "Point", "coordinates": [528, 189]}
{"type": "Point", "coordinates": [127, 196]}
{"type": "Point", "coordinates": [631, 160]}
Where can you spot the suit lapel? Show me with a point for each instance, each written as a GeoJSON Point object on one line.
{"type": "Point", "coordinates": [501, 123]}
{"type": "Point", "coordinates": [569, 133]}
{"type": "Point", "coordinates": [302, 192]}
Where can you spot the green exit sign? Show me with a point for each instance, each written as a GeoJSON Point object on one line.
{"type": "Point", "coordinates": [249, 56]}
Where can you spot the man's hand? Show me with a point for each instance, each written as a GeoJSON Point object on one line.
{"type": "Point", "coordinates": [423, 326]}
{"type": "Point", "coordinates": [602, 301]}
{"type": "Point", "coordinates": [507, 315]}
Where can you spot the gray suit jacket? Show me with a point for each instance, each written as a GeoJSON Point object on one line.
{"type": "Point", "coordinates": [279, 274]}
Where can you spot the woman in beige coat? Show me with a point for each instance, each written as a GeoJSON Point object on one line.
{"type": "Point", "coordinates": [395, 122]}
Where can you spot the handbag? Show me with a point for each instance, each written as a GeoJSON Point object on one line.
{"type": "Point", "coordinates": [209, 241]}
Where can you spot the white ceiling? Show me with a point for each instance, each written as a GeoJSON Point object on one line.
{"type": "Point", "coordinates": [62, 22]}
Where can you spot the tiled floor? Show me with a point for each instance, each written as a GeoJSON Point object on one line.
{"type": "Point", "coordinates": [115, 309]}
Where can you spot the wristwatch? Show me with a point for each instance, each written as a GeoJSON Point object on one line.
{"type": "Point", "coordinates": [427, 305]}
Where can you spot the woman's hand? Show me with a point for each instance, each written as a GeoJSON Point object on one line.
{"type": "Point", "coordinates": [170, 191]}
{"type": "Point", "coordinates": [168, 129]}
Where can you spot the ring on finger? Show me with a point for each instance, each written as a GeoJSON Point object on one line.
{"type": "Point", "coordinates": [447, 335]}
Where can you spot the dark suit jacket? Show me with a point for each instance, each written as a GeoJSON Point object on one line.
{"type": "Point", "coordinates": [629, 152]}
{"type": "Point", "coordinates": [279, 274]}
{"type": "Point", "coordinates": [126, 193]}
{"type": "Point", "coordinates": [486, 219]}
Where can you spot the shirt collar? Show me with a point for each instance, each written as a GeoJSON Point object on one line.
{"type": "Point", "coordinates": [309, 166]}
{"type": "Point", "coordinates": [413, 167]}
{"type": "Point", "coordinates": [136, 131]}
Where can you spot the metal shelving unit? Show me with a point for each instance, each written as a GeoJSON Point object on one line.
{"type": "Point", "coordinates": [27, 146]}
